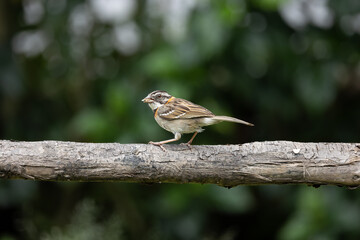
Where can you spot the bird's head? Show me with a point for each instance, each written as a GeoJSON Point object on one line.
{"type": "Point", "coordinates": [156, 99]}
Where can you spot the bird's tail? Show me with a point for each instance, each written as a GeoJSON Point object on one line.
{"type": "Point", "coordinates": [231, 119]}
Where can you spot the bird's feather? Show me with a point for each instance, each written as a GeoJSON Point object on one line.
{"type": "Point", "coordinates": [231, 119]}
{"type": "Point", "coordinates": [182, 109]}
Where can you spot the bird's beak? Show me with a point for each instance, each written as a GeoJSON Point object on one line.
{"type": "Point", "coordinates": [147, 100]}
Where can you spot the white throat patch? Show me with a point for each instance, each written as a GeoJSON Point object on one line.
{"type": "Point", "coordinates": [154, 105]}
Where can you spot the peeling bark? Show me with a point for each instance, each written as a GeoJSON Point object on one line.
{"type": "Point", "coordinates": [277, 162]}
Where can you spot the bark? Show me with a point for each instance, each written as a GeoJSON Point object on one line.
{"type": "Point", "coordinates": [277, 162]}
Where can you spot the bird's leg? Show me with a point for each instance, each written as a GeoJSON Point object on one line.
{"type": "Point", "coordinates": [192, 138]}
{"type": "Point", "coordinates": [190, 141]}
{"type": "Point", "coordinates": [176, 138]}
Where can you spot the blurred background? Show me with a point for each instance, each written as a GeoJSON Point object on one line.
{"type": "Point", "coordinates": [76, 70]}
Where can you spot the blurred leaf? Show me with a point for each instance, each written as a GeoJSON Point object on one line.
{"type": "Point", "coordinates": [209, 33]}
{"type": "Point", "coordinates": [92, 125]}
{"type": "Point", "coordinates": [269, 4]}
{"type": "Point", "coordinates": [234, 200]}
{"type": "Point", "coordinates": [162, 62]}
{"type": "Point", "coordinates": [117, 99]}
{"type": "Point", "coordinates": [84, 226]}
{"type": "Point", "coordinates": [310, 219]}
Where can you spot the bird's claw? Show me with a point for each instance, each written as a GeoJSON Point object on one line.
{"type": "Point", "coordinates": [187, 144]}
{"type": "Point", "coordinates": [158, 144]}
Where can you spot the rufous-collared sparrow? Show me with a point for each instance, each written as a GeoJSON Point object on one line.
{"type": "Point", "coordinates": [180, 116]}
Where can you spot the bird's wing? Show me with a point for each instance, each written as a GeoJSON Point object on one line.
{"type": "Point", "coordinates": [182, 109]}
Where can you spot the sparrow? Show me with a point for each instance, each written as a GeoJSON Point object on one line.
{"type": "Point", "coordinates": [180, 116]}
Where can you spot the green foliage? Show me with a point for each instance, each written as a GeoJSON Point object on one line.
{"type": "Point", "coordinates": [84, 226]}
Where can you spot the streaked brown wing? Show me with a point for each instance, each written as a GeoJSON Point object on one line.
{"type": "Point", "coordinates": [183, 109]}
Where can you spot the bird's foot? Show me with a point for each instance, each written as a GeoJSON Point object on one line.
{"type": "Point", "coordinates": [158, 144]}
{"type": "Point", "coordinates": [187, 144]}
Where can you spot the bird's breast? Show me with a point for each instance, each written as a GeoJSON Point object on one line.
{"type": "Point", "coordinates": [180, 125]}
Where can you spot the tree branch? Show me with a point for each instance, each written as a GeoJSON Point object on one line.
{"type": "Point", "coordinates": [278, 162]}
